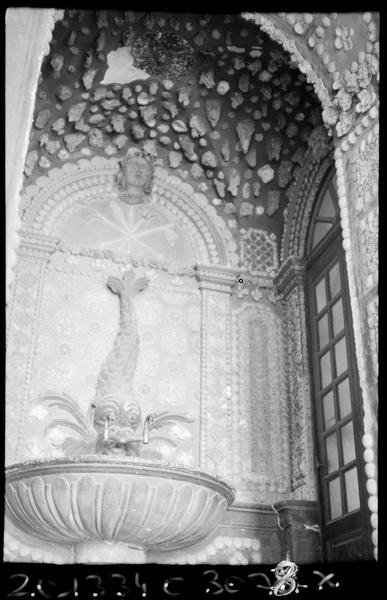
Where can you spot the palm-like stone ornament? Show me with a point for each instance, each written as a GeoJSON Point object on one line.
{"type": "Point", "coordinates": [113, 423]}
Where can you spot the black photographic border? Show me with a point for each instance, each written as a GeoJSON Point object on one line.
{"type": "Point", "coordinates": [355, 579]}
{"type": "Point", "coordinates": [204, 581]}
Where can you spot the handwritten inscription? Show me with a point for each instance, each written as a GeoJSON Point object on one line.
{"type": "Point", "coordinates": [209, 583]}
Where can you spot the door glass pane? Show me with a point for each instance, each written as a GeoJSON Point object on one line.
{"type": "Point", "coordinates": [326, 371]}
{"type": "Point", "coordinates": [341, 356]}
{"type": "Point", "coordinates": [332, 453]}
{"type": "Point", "coordinates": [327, 209]}
{"type": "Point", "coordinates": [334, 280]}
{"type": "Point", "coordinates": [321, 297]}
{"type": "Point", "coordinates": [320, 230]}
{"type": "Point", "coordinates": [344, 395]}
{"type": "Point", "coordinates": [348, 442]}
{"type": "Point", "coordinates": [329, 410]}
{"type": "Point", "coordinates": [335, 498]}
{"type": "Point", "coordinates": [352, 489]}
{"type": "Point", "coordinates": [323, 332]}
{"type": "Point", "coordinates": [337, 317]}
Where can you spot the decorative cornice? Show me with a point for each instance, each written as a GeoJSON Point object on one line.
{"type": "Point", "coordinates": [290, 275]}
{"type": "Point", "coordinates": [216, 278]}
{"type": "Point", "coordinates": [126, 259]}
{"type": "Point", "coordinates": [36, 245]}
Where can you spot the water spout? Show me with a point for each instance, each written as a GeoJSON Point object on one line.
{"type": "Point", "coordinates": [145, 431]}
{"type": "Point", "coordinates": [132, 445]}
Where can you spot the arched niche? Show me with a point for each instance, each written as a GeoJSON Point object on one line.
{"type": "Point", "coordinates": [81, 199]}
{"type": "Point", "coordinates": [67, 245]}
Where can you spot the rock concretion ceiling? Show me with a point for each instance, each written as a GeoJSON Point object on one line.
{"type": "Point", "coordinates": [210, 97]}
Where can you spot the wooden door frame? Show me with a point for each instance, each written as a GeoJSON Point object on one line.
{"type": "Point", "coordinates": [328, 249]}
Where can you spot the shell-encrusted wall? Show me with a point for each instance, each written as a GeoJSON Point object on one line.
{"type": "Point", "coordinates": [76, 234]}
{"type": "Point", "coordinates": [233, 131]}
{"type": "Point", "coordinates": [357, 163]}
{"type": "Point", "coordinates": [78, 318]}
{"type": "Point", "coordinates": [261, 462]}
{"type": "Point", "coordinates": [74, 201]}
{"type": "Point", "coordinates": [192, 337]}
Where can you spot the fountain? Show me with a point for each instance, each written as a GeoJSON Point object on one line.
{"type": "Point", "coordinates": [114, 497]}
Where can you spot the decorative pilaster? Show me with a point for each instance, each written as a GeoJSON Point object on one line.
{"type": "Point", "coordinates": [357, 166]}
{"type": "Point", "coordinates": [216, 283]}
{"type": "Point", "coordinates": [261, 469]}
{"type": "Point", "coordinates": [29, 32]}
{"type": "Point", "coordinates": [34, 252]}
{"type": "Point", "coordinates": [290, 287]}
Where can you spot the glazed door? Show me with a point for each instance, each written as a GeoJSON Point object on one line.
{"type": "Point", "coordinates": [337, 407]}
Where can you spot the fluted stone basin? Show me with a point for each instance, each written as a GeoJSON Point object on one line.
{"type": "Point", "coordinates": [96, 502]}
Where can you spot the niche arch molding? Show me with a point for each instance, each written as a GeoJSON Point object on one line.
{"type": "Point", "coordinates": [301, 201]}
{"type": "Point", "coordinates": [50, 199]}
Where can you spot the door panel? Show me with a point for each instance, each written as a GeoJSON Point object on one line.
{"type": "Point", "coordinates": [337, 407]}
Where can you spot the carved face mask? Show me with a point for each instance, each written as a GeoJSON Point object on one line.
{"type": "Point", "coordinates": [120, 413]}
{"type": "Point", "coordinates": [131, 415]}
{"type": "Point", "coordinates": [137, 171]}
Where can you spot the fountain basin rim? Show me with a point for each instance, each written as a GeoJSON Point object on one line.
{"type": "Point", "coordinates": [110, 465]}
